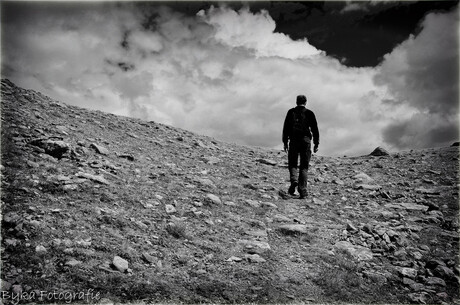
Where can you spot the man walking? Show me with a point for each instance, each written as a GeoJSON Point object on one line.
{"type": "Point", "coordinates": [299, 128]}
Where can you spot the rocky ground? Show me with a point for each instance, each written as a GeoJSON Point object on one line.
{"type": "Point", "coordinates": [125, 210]}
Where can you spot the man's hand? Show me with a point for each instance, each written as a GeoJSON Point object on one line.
{"type": "Point", "coordinates": [315, 149]}
{"type": "Point", "coordinates": [286, 147]}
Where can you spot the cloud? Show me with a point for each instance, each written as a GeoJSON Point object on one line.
{"type": "Point", "coordinates": [254, 32]}
{"type": "Point", "coordinates": [222, 73]}
{"type": "Point", "coordinates": [422, 73]}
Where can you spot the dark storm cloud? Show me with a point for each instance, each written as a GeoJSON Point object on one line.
{"type": "Point", "coordinates": [360, 36]}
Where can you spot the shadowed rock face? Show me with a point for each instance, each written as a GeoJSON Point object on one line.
{"type": "Point", "coordinates": [379, 151]}
{"type": "Point", "coordinates": [138, 210]}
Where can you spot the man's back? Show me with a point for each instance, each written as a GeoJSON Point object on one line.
{"type": "Point", "coordinates": [306, 124]}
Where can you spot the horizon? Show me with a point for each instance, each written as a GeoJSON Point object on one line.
{"type": "Point", "coordinates": [231, 71]}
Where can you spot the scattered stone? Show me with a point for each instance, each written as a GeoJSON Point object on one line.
{"type": "Point", "coordinates": [419, 298]}
{"type": "Point", "coordinates": [99, 149]}
{"type": "Point", "coordinates": [255, 244]}
{"type": "Point", "coordinates": [407, 206]}
{"type": "Point", "coordinates": [16, 289]}
{"type": "Point", "coordinates": [433, 263]}
{"type": "Point", "coordinates": [444, 272]}
{"type": "Point", "coordinates": [269, 205]}
{"type": "Point", "coordinates": [40, 249]}
{"type": "Point", "coordinates": [369, 187]}
{"type": "Point", "coordinates": [73, 262]}
{"type": "Point", "coordinates": [428, 191]}
{"type": "Point", "coordinates": [97, 178]}
{"type": "Point", "coordinates": [408, 272]}
{"type": "Point", "coordinates": [252, 203]}
{"type": "Point", "coordinates": [351, 228]}
{"type": "Point", "coordinates": [56, 149]}
{"type": "Point", "coordinates": [376, 277]}
{"type": "Point", "coordinates": [5, 285]}
{"type": "Point", "coordinates": [234, 259]}
{"type": "Point", "coordinates": [294, 229]}
{"type": "Point", "coordinates": [205, 182]}
{"type": "Point", "coordinates": [254, 258]}
{"type": "Point", "coordinates": [318, 201]}
{"type": "Point", "coordinates": [362, 178]}
{"type": "Point", "coordinates": [126, 156]}
{"type": "Point", "coordinates": [267, 162]}
{"type": "Point", "coordinates": [149, 258]}
{"type": "Point", "coordinates": [281, 218]}
{"type": "Point", "coordinates": [170, 209]}
{"type": "Point", "coordinates": [120, 264]}
{"type": "Point", "coordinates": [338, 181]}
{"type": "Point", "coordinates": [11, 242]}
{"type": "Point", "coordinates": [358, 252]}
{"type": "Point", "coordinates": [435, 281]}
{"type": "Point", "coordinates": [211, 160]}
{"type": "Point", "coordinates": [213, 199]}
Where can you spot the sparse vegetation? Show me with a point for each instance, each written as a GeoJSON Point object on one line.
{"type": "Point", "coordinates": [65, 220]}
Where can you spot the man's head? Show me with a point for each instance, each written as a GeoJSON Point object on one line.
{"type": "Point", "coordinates": [301, 100]}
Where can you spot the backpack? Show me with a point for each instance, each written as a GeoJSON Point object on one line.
{"type": "Point", "coordinates": [299, 122]}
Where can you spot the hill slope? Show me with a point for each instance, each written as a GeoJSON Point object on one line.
{"type": "Point", "coordinates": [98, 207]}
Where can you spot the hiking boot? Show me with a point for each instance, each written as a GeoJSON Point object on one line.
{"type": "Point", "coordinates": [291, 190]}
{"type": "Point", "coordinates": [303, 196]}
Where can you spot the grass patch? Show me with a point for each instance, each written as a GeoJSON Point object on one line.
{"type": "Point", "coordinates": [341, 280]}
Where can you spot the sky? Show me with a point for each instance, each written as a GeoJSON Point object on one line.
{"type": "Point", "coordinates": [375, 73]}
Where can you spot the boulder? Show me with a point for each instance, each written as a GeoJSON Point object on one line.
{"type": "Point", "coordinates": [379, 151]}
{"type": "Point", "coordinates": [53, 148]}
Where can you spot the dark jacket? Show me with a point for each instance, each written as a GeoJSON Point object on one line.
{"type": "Point", "coordinates": [312, 128]}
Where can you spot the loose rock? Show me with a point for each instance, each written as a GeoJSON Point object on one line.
{"type": "Point", "coordinates": [120, 264]}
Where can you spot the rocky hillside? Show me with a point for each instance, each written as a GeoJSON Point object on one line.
{"type": "Point", "coordinates": [102, 208]}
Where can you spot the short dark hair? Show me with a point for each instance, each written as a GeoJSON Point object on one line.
{"type": "Point", "coordinates": [301, 100]}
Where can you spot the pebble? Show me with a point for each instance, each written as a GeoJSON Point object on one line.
{"type": "Point", "coordinates": [170, 209]}
{"type": "Point", "coordinates": [73, 262]}
{"type": "Point", "coordinates": [40, 249]}
{"type": "Point", "coordinates": [408, 272]}
{"type": "Point", "coordinates": [99, 149]}
{"type": "Point", "coordinates": [254, 258]}
{"type": "Point", "coordinates": [234, 259]}
{"type": "Point", "coordinates": [213, 199]}
{"type": "Point", "coordinates": [120, 264]}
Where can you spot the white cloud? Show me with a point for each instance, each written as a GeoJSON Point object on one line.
{"type": "Point", "coordinates": [254, 32]}
{"type": "Point", "coordinates": [146, 41]}
{"type": "Point", "coordinates": [422, 73]}
{"type": "Point", "coordinates": [221, 73]}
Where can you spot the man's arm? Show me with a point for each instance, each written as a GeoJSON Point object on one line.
{"type": "Point", "coordinates": [286, 129]}
{"type": "Point", "coordinates": [314, 131]}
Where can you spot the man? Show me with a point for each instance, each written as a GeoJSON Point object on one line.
{"type": "Point", "coordinates": [299, 128]}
